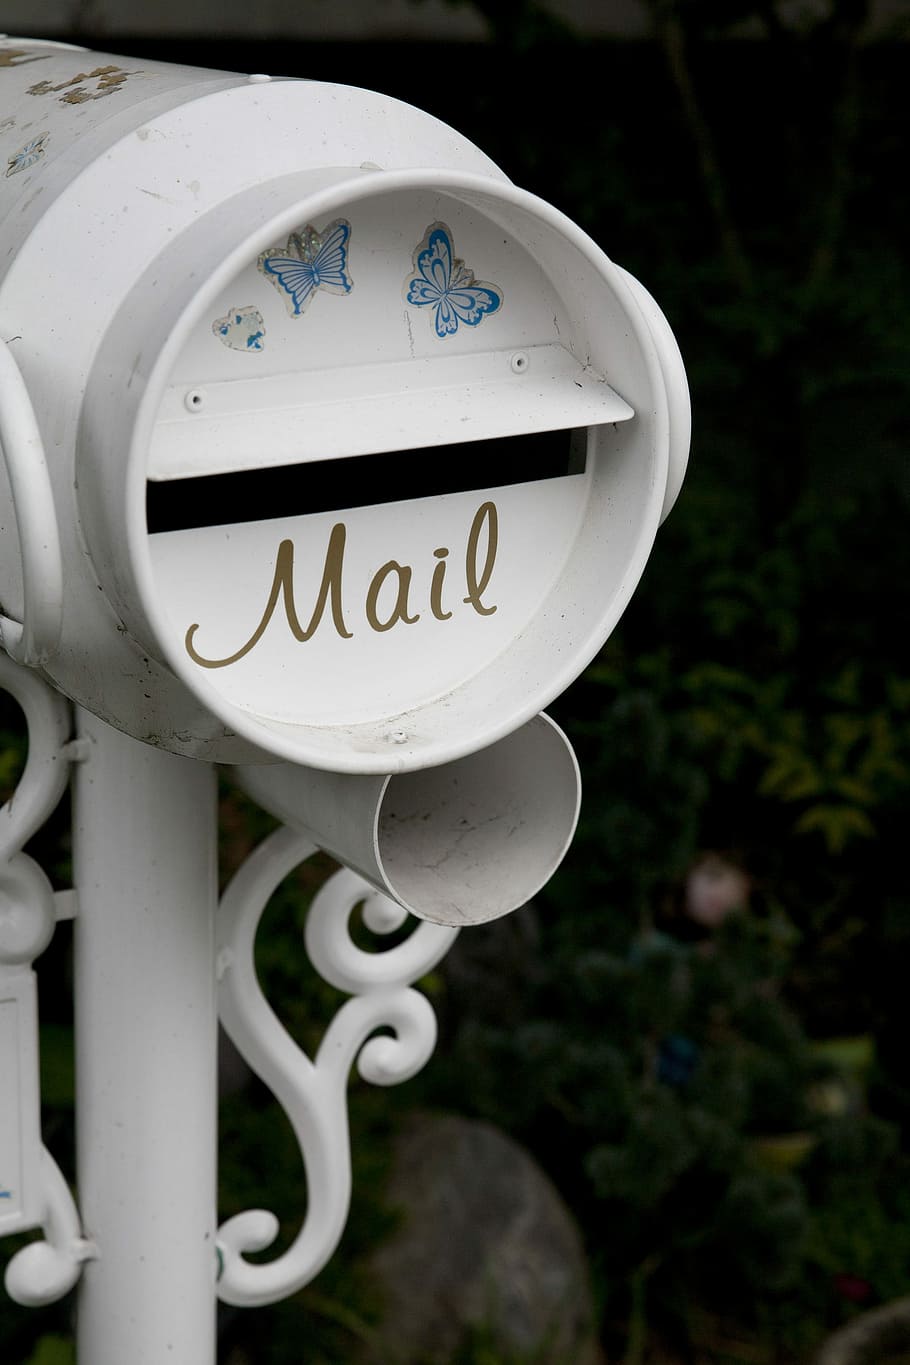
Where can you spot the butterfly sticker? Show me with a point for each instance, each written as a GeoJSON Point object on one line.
{"type": "Point", "coordinates": [27, 156]}
{"type": "Point", "coordinates": [242, 329]}
{"type": "Point", "coordinates": [313, 260]}
{"type": "Point", "coordinates": [443, 283]}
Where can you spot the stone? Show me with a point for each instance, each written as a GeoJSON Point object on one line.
{"type": "Point", "coordinates": [880, 1336]}
{"type": "Point", "coordinates": [485, 1242]}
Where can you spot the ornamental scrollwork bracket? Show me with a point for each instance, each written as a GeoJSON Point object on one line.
{"type": "Point", "coordinates": [313, 1091]}
{"type": "Point", "coordinates": [33, 1192]}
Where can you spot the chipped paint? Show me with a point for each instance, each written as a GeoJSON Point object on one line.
{"type": "Point", "coordinates": [20, 56]}
{"type": "Point", "coordinates": [109, 79]}
{"type": "Point", "coordinates": [28, 155]}
{"type": "Point", "coordinates": [242, 329]}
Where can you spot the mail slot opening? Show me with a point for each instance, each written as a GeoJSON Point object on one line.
{"type": "Point", "coordinates": [362, 480]}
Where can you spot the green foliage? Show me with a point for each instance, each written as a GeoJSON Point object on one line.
{"type": "Point", "coordinates": [754, 701]}
{"type": "Point", "coordinates": [849, 1232]}
{"type": "Point", "coordinates": [57, 1078]}
{"type": "Point", "coordinates": [12, 759]}
{"type": "Point", "coordinates": [480, 1347]}
{"type": "Point", "coordinates": [53, 1351]}
{"type": "Point", "coordinates": [833, 758]}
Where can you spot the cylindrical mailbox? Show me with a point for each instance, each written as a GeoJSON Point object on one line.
{"type": "Point", "coordinates": [355, 452]}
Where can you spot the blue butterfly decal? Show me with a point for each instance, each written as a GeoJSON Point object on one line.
{"type": "Point", "coordinates": [313, 260]}
{"type": "Point", "coordinates": [442, 282]}
{"type": "Point", "coordinates": [27, 156]}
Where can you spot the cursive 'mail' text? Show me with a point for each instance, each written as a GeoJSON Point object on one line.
{"type": "Point", "coordinates": [480, 560]}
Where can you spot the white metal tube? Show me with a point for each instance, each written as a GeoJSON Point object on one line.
{"type": "Point", "coordinates": [145, 872]}
{"type": "Point", "coordinates": [458, 844]}
{"type": "Point", "coordinates": [37, 637]}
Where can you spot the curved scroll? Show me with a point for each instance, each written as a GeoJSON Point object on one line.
{"type": "Point", "coordinates": [35, 638]}
{"type": "Point", "coordinates": [313, 1093]}
{"type": "Point", "coordinates": [44, 1270]}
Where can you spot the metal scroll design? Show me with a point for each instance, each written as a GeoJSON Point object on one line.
{"type": "Point", "coordinates": [44, 1270]}
{"type": "Point", "coordinates": [313, 1092]}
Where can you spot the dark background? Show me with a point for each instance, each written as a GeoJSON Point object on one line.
{"type": "Point", "coordinates": [750, 719]}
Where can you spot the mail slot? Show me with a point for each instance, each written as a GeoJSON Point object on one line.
{"type": "Point", "coordinates": [355, 450]}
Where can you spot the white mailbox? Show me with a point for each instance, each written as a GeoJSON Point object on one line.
{"type": "Point", "coordinates": [355, 451]}
{"type": "Point", "coordinates": [329, 454]}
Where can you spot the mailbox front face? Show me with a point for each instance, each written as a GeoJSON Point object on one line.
{"type": "Point", "coordinates": [394, 501]}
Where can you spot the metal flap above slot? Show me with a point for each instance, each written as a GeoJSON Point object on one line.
{"type": "Point", "coordinates": [318, 415]}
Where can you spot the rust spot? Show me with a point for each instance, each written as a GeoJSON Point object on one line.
{"type": "Point", "coordinates": [18, 56]}
{"type": "Point", "coordinates": [109, 80]}
{"type": "Point", "coordinates": [111, 77]}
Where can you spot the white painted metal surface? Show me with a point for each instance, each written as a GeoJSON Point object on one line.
{"type": "Point", "coordinates": [261, 275]}
{"type": "Point", "coordinates": [558, 556]}
{"type": "Point", "coordinates": [36, 637]}
{"type": "Point", "coordinates": [19, 1130]}
{"type": "Point", "coordinates": [312, 1093]}
{"type": "Point", "coordinates": [144, 861]}
{"type": "Point", "coordinates": [33, 1193]}
{"type": "Point", "coordinates": [248, 423]}
{"type": "Point", "coordinates": [26, 927]}
{"type": "Point", "coordinates": [460, 844]}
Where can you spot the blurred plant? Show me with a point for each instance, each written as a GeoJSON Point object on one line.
{"type": "Point", "coordinates": [655, 1061]}
{"type": "Point", "coordinates": [53, 1351]}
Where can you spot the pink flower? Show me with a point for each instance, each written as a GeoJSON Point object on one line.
{"type": "Point", "coordinates": [714, 888]}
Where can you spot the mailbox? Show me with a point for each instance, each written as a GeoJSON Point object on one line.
{"type": "Point", "coordinates": [329, 454]}
{"type": "Point", "coordinates": [348, 452]}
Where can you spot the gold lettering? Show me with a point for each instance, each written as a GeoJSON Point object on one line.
{"type": "Point", "coordinates": [439, 574]}
{"type": "Point", "coordinates": [283, 586]}
{"type": "Point", "coordinates": [400, 610]}
{"type": "Point", "coordinates": [477, 585]}
{"type": "Point", "coordinates": [482, 536]}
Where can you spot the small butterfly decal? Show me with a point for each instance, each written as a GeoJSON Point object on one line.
{"type": "Point", "coordinates": [444, 283]}
{"type": "Point", "coordinates": [313, 260]}
{"type": "Point", "coordinates": [241, 328]}
{"type": "Point", "coordinates": [27, 156]}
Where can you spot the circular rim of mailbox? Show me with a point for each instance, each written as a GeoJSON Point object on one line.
{"type": "Point", "coordinates": [280, 739]}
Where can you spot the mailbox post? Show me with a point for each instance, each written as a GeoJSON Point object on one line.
{"type": "Point", "coordinates": [330, 456]}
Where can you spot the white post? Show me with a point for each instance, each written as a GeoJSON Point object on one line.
{"type": "Point", "coordinates": [145, 872]}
